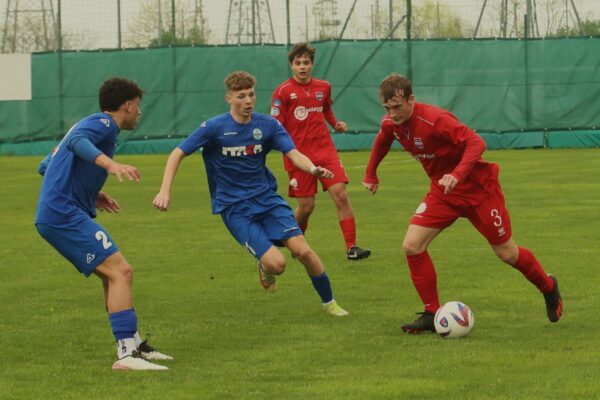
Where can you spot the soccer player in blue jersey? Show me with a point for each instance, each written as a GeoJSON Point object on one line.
{"type": "Point", "coordinates": [74, 174]}
{"type": "Point", "coordinates": [243, 191]}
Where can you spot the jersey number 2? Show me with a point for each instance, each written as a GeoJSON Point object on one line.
{"type": "Point", "coordinates": [102, 236]}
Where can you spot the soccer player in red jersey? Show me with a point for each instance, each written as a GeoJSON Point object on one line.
{"type": "Point", "coordinates": [462, 185]}
{"type": "Point", "coordinates": [302, 104]}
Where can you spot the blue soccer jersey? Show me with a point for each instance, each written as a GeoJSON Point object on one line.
{"type": "Point", "coordinates": [71, 184]}
{"type": "Point", "coordinates": [235, 154]}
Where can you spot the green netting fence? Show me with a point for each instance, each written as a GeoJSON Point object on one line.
{"type": "Point", "coordinates": [514, 93]}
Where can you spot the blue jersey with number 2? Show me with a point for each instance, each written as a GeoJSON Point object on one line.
{"type": "Point", "coordinates": [72, 184]}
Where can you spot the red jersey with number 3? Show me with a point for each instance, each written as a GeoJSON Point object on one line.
{"type": "Point", "coordinates": [438, 140]}
{"type": "Point", "coordinates": [303, 109]}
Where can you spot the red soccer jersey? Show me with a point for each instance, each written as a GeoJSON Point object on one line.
{"type": "Point", "coordinates": [443, 145]}
{"type": "Point", "coordinates": [303, 109]}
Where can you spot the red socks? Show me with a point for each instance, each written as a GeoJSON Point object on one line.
{"type": "Point", "coordinates": [422, 273]}
{"type": "Point", "coordinates": [533, 271]}
{"type": "Point", "coordinates": [348, 226]}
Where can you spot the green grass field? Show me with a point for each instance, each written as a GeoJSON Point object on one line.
{"type": "Point", "coordinates": [197, 292]}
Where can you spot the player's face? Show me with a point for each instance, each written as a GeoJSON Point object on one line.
{"type": "Point", "coordinates": [132, 114]}
{"type": "Point", "coordinates": [399, 108]}
{"type": "Point", "coordinates": [242, 104]}
{"type": "Point", "coordinates": [302, 67]}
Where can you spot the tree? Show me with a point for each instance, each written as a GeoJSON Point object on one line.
{"type": "Point", "coordinates": [589, 28]}
{"type": "Point", "coordinates": [434, 20]}
{"type": "Point", "coordinates": [152, 26]}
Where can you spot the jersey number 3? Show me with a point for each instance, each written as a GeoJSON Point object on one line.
{"type": "Point", "coordinates": [102, 236]}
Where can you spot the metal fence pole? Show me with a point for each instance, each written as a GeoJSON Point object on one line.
{"type": "Point", "coordinates": [61, 124]}
{"type": "Point", "coordinates": [287, 19]}
{"type": "Point", "coordinates": [118, 24]}
{"type": "Point", "coordinates": [173, 35]}
{"type": "Point", "coordinates": [408, 39]}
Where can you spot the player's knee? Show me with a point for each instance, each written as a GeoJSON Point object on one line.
{"type": "Point", "coordinates": [412, 248]}
{"type": "Point", "coordinates": [303, 254]}
{"type": "Point", "coordinates": [275, 265]}
{"type": "Point", "coordinates": [306, 209]}
{"type": "Point", "coordinates": [125, 272]}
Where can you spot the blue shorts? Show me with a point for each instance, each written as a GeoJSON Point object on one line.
{"type": "Point", "coordinates": [261, 222]}
{"type": "Point", "coordinates": [83, 242]}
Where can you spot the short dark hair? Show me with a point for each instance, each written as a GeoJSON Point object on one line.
{"type": "Point", "coordinates": [114, 92]}
{"type": "Point", "coordinates": [301, 49]}
{"type": "Point", "coordinates": [239, 80]}
{"type": "Point", "coordinates": [392, 84]}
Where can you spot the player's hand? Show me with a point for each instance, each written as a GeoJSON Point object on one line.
{"type": "Point", "coordinates": [321, 172]}
{"type": "Point", "coordinates": [340, 126]}
{"type": "Point", "coordinates": [123, 170]}
{"type": "Point", "coordinates": [106, 203]}
{"type": "Point", "coordinates": [448, 182]}
{"type": "Point", "coordinates": [371, 187]}
{"type": "Point", "coordinates": [161, 201]}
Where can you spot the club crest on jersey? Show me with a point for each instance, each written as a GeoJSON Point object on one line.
{"type": "Point", "coordinates": [419, 143]}
{"type": "Point", "coordinates": [105, 122]}
{"type": "Point", "coordinates": [319, 96]}
{"type": "Point", "coordinates": [257, 134]}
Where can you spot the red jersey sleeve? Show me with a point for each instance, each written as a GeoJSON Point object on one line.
{"type": "Point", "coordinates": [458, 133]}
{"type": "Point", "coordinates": [381, 146]}
{"type": "Point", "coordinates": [327, 110]}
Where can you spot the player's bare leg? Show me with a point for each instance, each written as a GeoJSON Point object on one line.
{"type": "Point", "coordinates": [117, 278]}
{"type": "Point", "coordinates": [302, 213]}
{"type": "Point", "coordinates": [523, 260]}
{"type": "Point", "coordinates": [422, 274]}
{"type": "Point", "coordinates": [314, 267]}
{"type": "Point", "coordinates": [340, 198]}
{"type": "Point", "coordinates": [272, 263]}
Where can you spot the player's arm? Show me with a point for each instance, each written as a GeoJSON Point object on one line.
{"type": "Point", "coordinates": [79, 143]}
{"type": "Point", "coordinates": [44, 164]}
{"type": "Point", "coordinates": [338, 126]}
{"type": "Point", "coordinates": [381, 147]}
{"type": "Point", "coordinates": [162, 199]}
{"type": "Point", "coordinates": [457, 132]}
{"type": "Point", "coordinates": [305, 164]}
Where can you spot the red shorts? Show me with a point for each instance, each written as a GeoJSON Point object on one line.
{"type": "Point", "coordinates": [302, 184]}
{"type": "Point", "coordinates": [490, 217]}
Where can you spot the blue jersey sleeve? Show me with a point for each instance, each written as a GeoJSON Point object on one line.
{"type": "Point", "coordinates": [44, 164]}
{"type": "Point", "coordinates": [84, 138]}
{"type": "Point", "coordinates": [197, 139]}
{"type": "Point", "coordinates": [281, 138]}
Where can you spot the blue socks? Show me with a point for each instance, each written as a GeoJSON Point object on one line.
{"type": "Point", "coordinates": [323, 287]}
{"type": "Point", "coordinates": [123, 323]}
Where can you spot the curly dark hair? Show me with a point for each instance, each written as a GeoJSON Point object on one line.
{"type": "Point", "coordinates": [116, 91]}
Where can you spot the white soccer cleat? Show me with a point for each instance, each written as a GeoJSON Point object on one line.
{"type": "Point", "coordinates": [333, 309]}
{"type": "Point", "coordinates": [150, 353]}
{"type": "Point", "coordinates": [136, 362]}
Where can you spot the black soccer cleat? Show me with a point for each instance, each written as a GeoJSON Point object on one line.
{"type": "Point", "coordinates": [422, 324]}
{"type": "Point", "coordinates": [554, 303]}
{"type": "Point", "coordinates": [355, 253]}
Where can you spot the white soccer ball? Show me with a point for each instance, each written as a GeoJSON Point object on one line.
{"type": "Point", "coordinates": [454, 319]}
